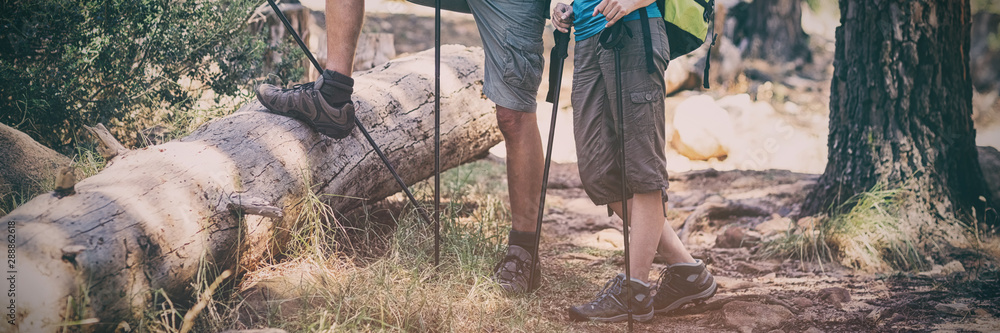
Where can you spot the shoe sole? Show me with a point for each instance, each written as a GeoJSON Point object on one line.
{"type": "Point", "coordinates": [705, 294]}
{"type": "Point", "coordinates": [622, 317]}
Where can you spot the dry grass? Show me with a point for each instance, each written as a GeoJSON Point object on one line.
{"type": "Point", "coordinates": [863, 233]}
{"type": "Point", "coordinates": [331, 281]}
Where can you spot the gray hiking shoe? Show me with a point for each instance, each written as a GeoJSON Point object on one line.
{"type": "Point", "coordinates": [609, 306]}
{"type": "Point", "coordinates": [304, 102]}
{"type": "Point", "coordinates": [512, 273]}
{"type": "Point", "coordinates": [681, 284]}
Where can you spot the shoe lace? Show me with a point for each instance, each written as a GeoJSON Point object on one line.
{"type": "Point", "coordinates": [520, 265]}
{"type": "Point", "coordinates": [612, 287]}
{"type": "Point", "coordinates": [307, 85]}
{"type": "Point", "coordinates": [665, 277]}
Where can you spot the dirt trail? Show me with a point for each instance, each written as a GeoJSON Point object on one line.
{"type": "Point", "coordinates": [581, 248]}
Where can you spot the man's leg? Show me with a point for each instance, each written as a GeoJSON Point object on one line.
{"type": "Point", "coordinates": [342, 39]}
{"type": "Point", "coordinates": [330, 112]}
{"type": "Point", "coordinates": [524, 165]}
{"type": "Point", "coordinates": [524, 175]}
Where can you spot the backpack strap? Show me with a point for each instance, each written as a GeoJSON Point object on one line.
{"type": "Point", "coordinates": [647, 41]}
{"type": "Point", "coordinates": [708, 62]}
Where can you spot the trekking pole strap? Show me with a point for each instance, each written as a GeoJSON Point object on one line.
{"type": "Point", "coordinates": [613, 37]}
{"type": "Point", "coordinates": [558, 54]}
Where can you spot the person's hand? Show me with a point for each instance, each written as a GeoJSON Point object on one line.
{"type": "Point", "coordinates": [562, 17]}
{"type": "Point", "coordinates": [615, 10]}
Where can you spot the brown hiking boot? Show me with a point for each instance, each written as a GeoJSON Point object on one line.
{"type": "Point", "coordinates": [304, 102]}
{"type": "Point", "coordinates": [512, 273]}
{"type": "Point", "coordinates": [681, 284]}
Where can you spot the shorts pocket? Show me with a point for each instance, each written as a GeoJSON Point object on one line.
{"type": "Point", "coordinates": [523, 61]}
{"type": "Point", "coordinates": [644, 103]}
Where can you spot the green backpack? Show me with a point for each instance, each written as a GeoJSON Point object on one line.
{"type": "Point", "coordinates": [688, 26]}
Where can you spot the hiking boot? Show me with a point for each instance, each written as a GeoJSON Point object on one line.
{"type": "Point", "coordinates": [609, 306]}
{"type": "Point", "coordinates": [681, 284]}
{"type": "Point", "coordinates": [512, 272]}
{"type": "Point", "coordinates": [304, 102]}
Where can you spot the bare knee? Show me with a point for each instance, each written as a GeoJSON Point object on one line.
{"type": "Point", "coordinates": [513, 122]}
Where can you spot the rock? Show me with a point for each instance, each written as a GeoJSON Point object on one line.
{"type": "Point", "coordinates": [681, 75]}
{"type": "Point", "coordinates": [813, 330]}
{"type": "Point", "coordinates": [952, 267]}
{"type": "Point", "coordinates": [938, 271]}
{"type": "Point", "coordinates": [807, 223]}
{"type": "Point", "coordinates": [802, 302]}
{"type": "Point", "coordinates": [735, 104]}
{"type": "Point", "coordinates": [755, 268]}
{"type": "Point", "coordinates": [750, 316]}
{"type": "Point", "coordinates": [611, 236]}
{"type": "Point", "coordinates": [934, 272]}
{"type": "Point", "coordinates": [955, 309]}
{"type": "Point", "coordinates": [989, 162]}
{"type": "Point", "coordinates": [702, 129]}
{"type": "Point", "coordinates": [735, 237]}
{"type": "Point", "coordinates": [564, 175]}
{"type": "Point", "coordinates": [606, 239]}
{"type": "Point", "coordinates": [775, 225]}
{"type": "Point", "coordinates": [741, 285]}
{"type": "Point", "coordinates": [836, 296]}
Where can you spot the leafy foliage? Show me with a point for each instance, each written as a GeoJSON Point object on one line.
{"type": "Point", "coordinates": [67, 63]}
{"type": "Point", "coordinates": [992, 6]}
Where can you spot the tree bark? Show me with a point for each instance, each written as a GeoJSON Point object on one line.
{"type": "Point", "coordinates": [773, 31]}
{"type": "Point", "coordinates": [146, 222]}
{"type": "Point", "coordinates": [900, 113]}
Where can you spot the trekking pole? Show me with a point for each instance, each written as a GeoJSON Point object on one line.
{"type": "Point", "coordinates": [613, 38]}
{"type": "Point", "coordinates": [556, 59]}
{"type": "Point", "coordinates": [381, 155]}
{"type": "Point", "coordinates": [437, 132]}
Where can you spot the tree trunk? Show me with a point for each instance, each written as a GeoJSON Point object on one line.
{"type": "Point", "coordinates": [900, 113]}
{"type": "Point", "coordinates": [773, 31]}
{"type": "Point", "coordinates": [148, 219]}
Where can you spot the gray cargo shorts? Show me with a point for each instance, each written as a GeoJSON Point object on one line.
{"type": "Point", "coordinates": [512, 40]}
{"type": "Point", "coordinates": [595, 115]}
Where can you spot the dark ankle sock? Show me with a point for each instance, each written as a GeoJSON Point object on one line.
{"type": "Point", "coordinates": [525, 239]}
{"type": "Point", "coordinates": [337, 88]}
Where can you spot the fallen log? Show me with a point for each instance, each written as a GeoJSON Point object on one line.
{"type": "Point", "coordinates": [147, 221]}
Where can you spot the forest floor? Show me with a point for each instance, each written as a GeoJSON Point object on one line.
{"type": "Point", "coordinates": [383, 280]}
{"type": "Point", "coordinates": [581, 248]}
{"type": "Point", "coordinates": [736, 210]}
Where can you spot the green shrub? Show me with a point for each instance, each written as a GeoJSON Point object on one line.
{"type": "Point", "coordinates": [126, 63]}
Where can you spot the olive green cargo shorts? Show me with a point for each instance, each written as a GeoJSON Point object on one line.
{"type": "Point", "coordinates": [595, 115]}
